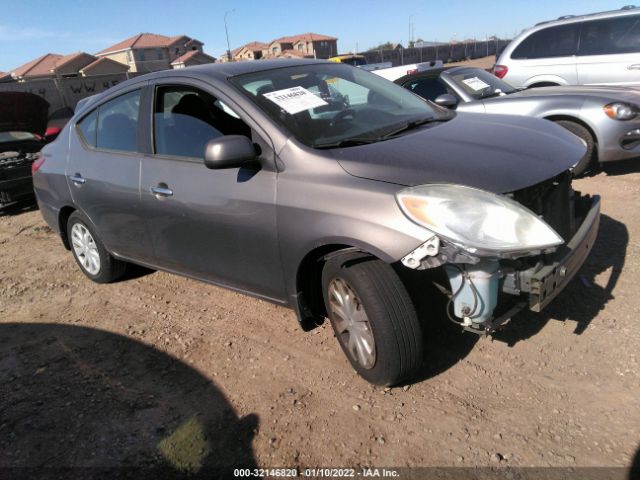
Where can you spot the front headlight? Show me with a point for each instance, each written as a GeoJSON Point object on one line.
{"type": "Point", "coordinates": [621, 111]}
{"type": "Point", "coordinates": [476, 220]}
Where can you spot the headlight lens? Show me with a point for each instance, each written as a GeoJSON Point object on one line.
{"type": "Point", "coordinates": [476, 220]}
{"type": "Point", "coordinates": [621, 111]}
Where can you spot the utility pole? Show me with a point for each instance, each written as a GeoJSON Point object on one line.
{"type": "Point", "coordinates": [226, 31]}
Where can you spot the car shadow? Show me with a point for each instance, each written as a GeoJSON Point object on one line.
{"type": "Point", "coordinates": [83, 403]}
{"type": "Point", "coordinates": [19, 208]}
{"type": "Point", "coordinates": [634, 468]}
{"type": "Point", "coordinates": [582, 299]}
{"type": "Point", "coordinates": [624, 167]}
{"type": "Point", "coordinates": [444, 342]}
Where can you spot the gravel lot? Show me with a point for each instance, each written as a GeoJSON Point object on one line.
{"type": "Point", "coordinates": [158, 370]}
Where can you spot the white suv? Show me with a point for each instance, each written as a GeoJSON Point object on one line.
{"type": "Point", "coordinates": [601, 48]}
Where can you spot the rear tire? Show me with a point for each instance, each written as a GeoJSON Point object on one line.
{"type": "Point", "coordinates": [89, 252]}
{"type": "Point", "coordinates": [382, 338]}
{"type": "Point", "coordinates": [588, 160]}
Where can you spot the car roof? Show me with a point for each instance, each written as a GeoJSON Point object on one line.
{"type": "Point", "coordinates": [219, 71]}
{"type": "Point", "coordinates": [232, 69]}
{"type": "Point", "coordinates": [627, 10]}
{"type": "Point", "coordinates": [432, 72]}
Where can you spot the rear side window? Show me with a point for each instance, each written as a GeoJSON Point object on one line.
{"type": "Point", "coordinates": [560, 41]}
{"type": "Point", "coordinates": [88, 128]}
{"type": "Point", "coordinates": [610, 36]}
{"type": "Point", "coordinates": [118, 123]}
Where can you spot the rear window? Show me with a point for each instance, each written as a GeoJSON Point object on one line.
{"type": "Point", "coordinates": [114, 124]}
{"type": "Point", "coordinates": [560, 41]}
{"type": "Point", "coordinates": [610, 36]}
{"type": "Point", "coordinates": [88, 129]}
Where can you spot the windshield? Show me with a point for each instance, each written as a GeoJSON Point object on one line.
{"type": "Point", "coordinates": [16, 136]}
{"type": "Point", "coordinates": [327, 104]}
{"type": "Point", "coordinates": [479, 83]}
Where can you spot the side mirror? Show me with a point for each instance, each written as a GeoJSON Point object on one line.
{"type": "Point", "coordinates": [230, 151]}
{"type": "Point", "coordinates": [446, 100]}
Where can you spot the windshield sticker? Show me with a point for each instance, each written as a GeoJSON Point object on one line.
{"type": "Point", "coordinates": [295, 99]}
{"type": "Point", "coordinates": [475, 83]}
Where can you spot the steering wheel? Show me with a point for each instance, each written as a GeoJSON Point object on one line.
{"type": "Point", "coordinates": [342, 116]}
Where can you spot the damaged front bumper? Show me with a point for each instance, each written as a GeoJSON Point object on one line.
{"type": "Point", "coordinates": [485, 293]}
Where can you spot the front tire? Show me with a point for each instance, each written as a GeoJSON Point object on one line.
{"type": "Point", "coordinates": [89, 252]}
{"type": "Point", "coordinates": [578, 130]}
{"type": "Point", "coordinates": [373, 318]}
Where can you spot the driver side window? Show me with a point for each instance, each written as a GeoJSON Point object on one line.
{"type": "Point", "coordinates": [186, 118]}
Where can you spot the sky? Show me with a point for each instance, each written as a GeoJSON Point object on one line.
{"type": "Point", "coordinates": [30, 28]}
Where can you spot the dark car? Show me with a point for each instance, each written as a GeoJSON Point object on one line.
{"type": "Point", "coordinates": [320, 186]}
{"type": "Point", "coordinates": [23, 121]}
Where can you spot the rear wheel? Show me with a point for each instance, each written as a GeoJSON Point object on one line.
{"type": "Point", "coordinates": [587, 161]}
{"type": "Point", "coordinates": [373, 318]}
{"type": "Point", "coordinates": [89, 252]}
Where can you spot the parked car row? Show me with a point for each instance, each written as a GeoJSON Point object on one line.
{"type": "Point", "coordinates": [607, 119]}
{"type": "Point", "coordinates": [322, 187]}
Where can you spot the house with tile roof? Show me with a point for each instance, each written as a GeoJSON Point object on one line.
{"type": "Point", "coordinates": [192, 57]}
{"type": "Point", "coordinates": [309, 44]}
{"type": "Point", "coordinates": [150, 52]}
{"type": "Point", "coordinates": [53, 65]}
{"type": "Point", "coordinates": [103, 66]}
{"type": "Point", "coordinates": [250, 51]}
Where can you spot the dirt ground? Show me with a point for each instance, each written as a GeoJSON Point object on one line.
{"type": "Point", "coordinates": [162, 371]}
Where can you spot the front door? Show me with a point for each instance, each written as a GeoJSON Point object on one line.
{"type": "Point", "coordinates": [215, 225]}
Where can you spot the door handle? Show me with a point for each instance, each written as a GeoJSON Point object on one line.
{"type": "Point", "coordinates": [162, 191]}
{"type": "Point", "coordinates": [635, 66]}
{"type": "Point", "coordinates": [77, 179]}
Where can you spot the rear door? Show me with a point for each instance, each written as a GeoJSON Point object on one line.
{"type": "Point", "coordinates": [609, 52]}
{"type": "Point", "coordinates": [215, 225]}
{"type": "Point", "coordinates": [548, 55]}
{"type": "Point", "coordinates": [103, 173]}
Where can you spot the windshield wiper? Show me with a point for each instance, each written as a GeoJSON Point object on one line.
{"type": "Point", "coordinates": [411, 125]}
{"type": "Point", "coordinates": [348, 142]}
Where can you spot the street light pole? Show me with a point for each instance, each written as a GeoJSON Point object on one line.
{"type": "Point", "coordinates": [226, 31]}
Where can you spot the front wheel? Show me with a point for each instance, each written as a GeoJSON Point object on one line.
{"type": "Point", "coordinates": [373, 318]}
{"type": "Point", "coordinates": [581, 132]}
{"type": "Point", "coordinates": [89, 252]}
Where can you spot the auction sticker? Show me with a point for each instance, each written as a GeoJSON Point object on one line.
{"type": "Point", "coordinates": [475, 83]}
{"type": "Point", "coordinates": [295, 99]}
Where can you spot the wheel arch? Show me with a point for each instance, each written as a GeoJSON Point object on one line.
{"type": "Point", "coordinates": [63, 218]}
{"type": "Point", "coordinates": [308, 301]}
{"type": "Point", "coordinates": [579, 121]}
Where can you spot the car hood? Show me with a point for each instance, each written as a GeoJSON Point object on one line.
{"type": "Point", "coordinates": [497, 153]}
{"type": "Point", "coordinates": [615, 93]}
{"type": "Point", "coordinates": [23, 112]}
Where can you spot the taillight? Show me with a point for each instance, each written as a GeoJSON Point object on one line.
{"type": "Point", "coordinates": [500, 70]}
{"type": "Point", "coordinates": [37, 163]}
{"type": "Point", "coordinates": [52, 131]}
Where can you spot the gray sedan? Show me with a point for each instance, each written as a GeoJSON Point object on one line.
{"type": "Point", "coordinates": [606, 118]}
{"type": "Point", "coordinates": [321, 187]}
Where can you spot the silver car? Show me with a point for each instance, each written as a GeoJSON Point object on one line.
{"type": "Point", "coordinates": [595, 49]}
{"type": "Point", "coordinates": [606, 118]}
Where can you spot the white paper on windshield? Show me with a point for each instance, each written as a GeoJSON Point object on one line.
{"type": "Point", "coordinates": [475, 83]}
{"type": "Point", "coordinates": [295, 99]}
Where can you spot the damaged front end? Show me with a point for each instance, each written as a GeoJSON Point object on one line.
{"type": "Point", "coordinates": [502, 253]}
